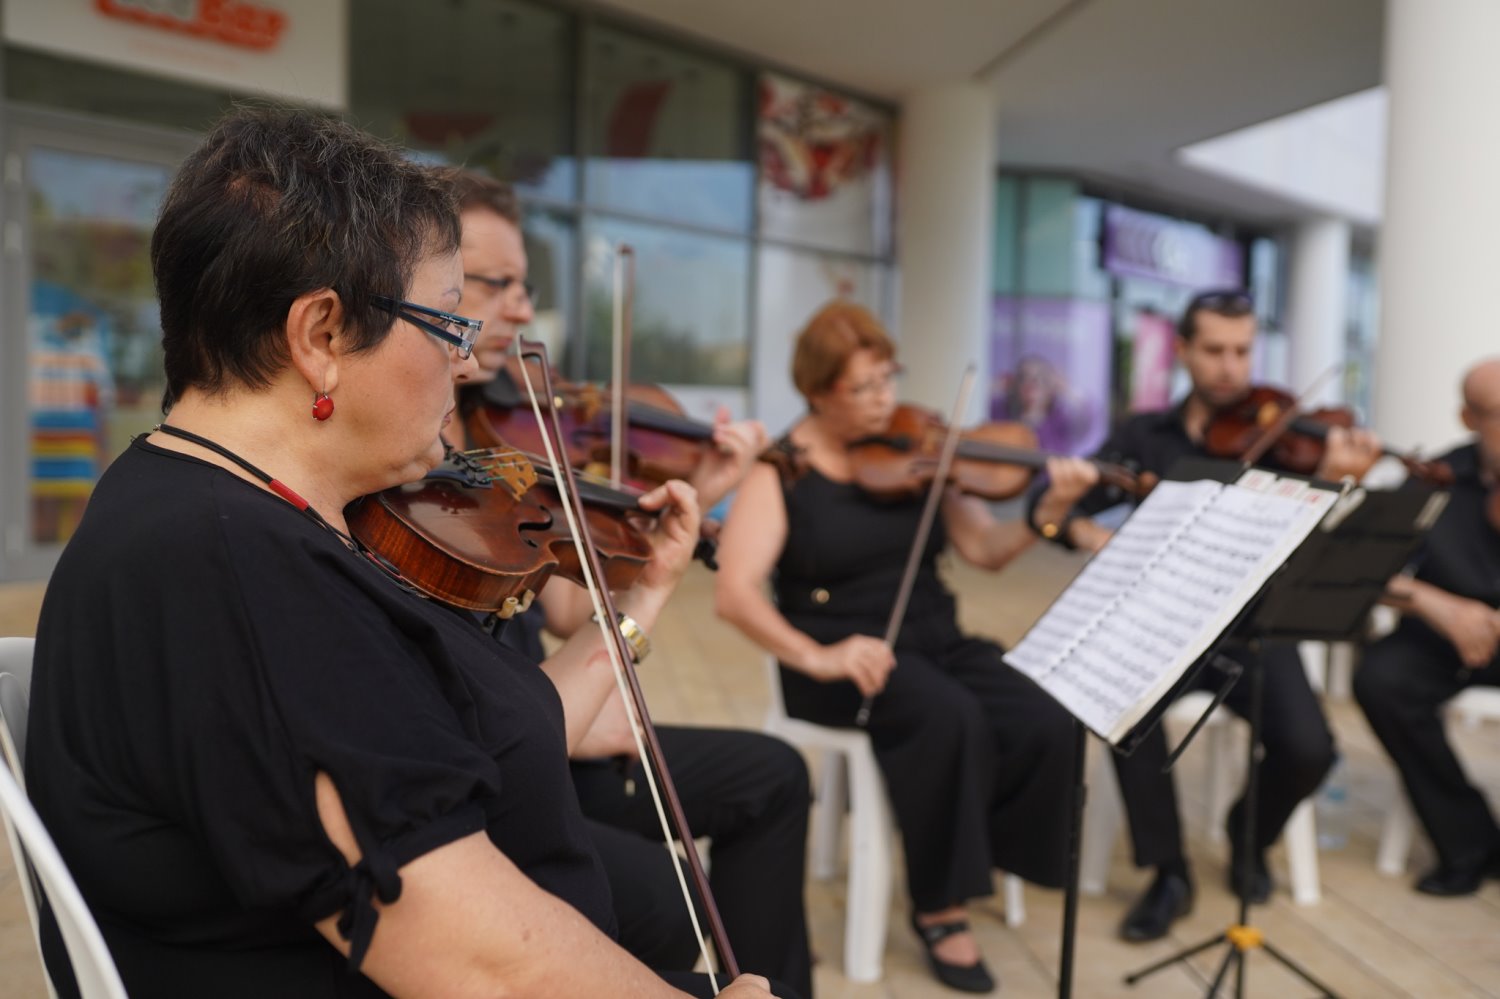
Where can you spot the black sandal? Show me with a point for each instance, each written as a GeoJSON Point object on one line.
{"type": "Point", "coordinates": [964, 977]}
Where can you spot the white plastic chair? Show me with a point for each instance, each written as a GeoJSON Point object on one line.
{"type": "Point", "coordinates": [1105, 811]}
{"type": "Point", "coordinates": [32, 849]}
{"type": "Point", "coordinates": [847, 773]}
{"type": "Point", "coordinates": [15, 690]}
{"type": "Point", "coordinates": [1470, 708]}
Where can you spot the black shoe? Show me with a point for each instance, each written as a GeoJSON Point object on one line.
{"type": "Point", "coordinates": [1169, 898]}
{"type": "Point", "coordinates": [1452, 881]}
{"type": "Point", "coordinates": [964, 977]}
{"type": "Point", "coordinates": [1256, 889]}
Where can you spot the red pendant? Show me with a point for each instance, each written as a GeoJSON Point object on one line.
{"type": "Point", "coordinates": [322, 407]}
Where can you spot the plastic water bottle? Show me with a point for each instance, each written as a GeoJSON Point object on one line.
{"type": "Point", "coordinates": [1332, 808]}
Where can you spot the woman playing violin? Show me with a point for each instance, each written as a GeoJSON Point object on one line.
{"type": "Point", "coordinates": [273, 768]}
{"type": "Point", "coordinates": [975, 757]}
{"type": "Point", "coordinates": [746, 791]}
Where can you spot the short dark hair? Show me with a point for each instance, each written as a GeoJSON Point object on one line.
{"type": "Point", "coordinates": [472, 189]}
{"type": "Point", "coordinates": [276, 203]}
{"type": "Point", "coordinates": [1232, 303]}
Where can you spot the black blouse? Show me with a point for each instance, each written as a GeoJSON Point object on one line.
{"type": "Point", "coordinates": [845, 552]}
{"type": "Point", "coordinates": [1461, 553]}
{"type": "Point", "coordinates": [204, 650]}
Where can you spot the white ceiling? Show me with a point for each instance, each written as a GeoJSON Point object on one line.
{"type": "Point", "coordinates": [1108, 89]}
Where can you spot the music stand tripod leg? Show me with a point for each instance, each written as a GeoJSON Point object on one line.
{"type": "Point", "coordinates": [1167, 962]}
{"type": "Point", "coordinates": [1243, 936]}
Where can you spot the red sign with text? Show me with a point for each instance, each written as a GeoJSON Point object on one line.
{"type": "Point", "coordinates": [234, 22]}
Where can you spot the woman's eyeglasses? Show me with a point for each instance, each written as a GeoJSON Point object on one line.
{"type": "Point", "coordinates": [459, 332]}
{"type": "Point", "coordinates": [883, 382]}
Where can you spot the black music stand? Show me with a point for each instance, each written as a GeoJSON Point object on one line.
{"type": "Point", "coordinates": [1322, 592]}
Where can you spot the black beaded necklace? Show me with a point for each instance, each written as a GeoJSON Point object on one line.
{"type": "Point", "coordinates": [287, 493]}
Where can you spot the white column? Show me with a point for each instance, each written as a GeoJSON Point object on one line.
{"type": "Point", "coordinates": [1317, 307]}
{"type": "Point", "coordinates": [1438, 247]}
{"type": "Point", "coordinates": [944, 217]}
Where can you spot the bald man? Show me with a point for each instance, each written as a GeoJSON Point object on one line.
{"type": "Point", "coordinates": [1448, 639]}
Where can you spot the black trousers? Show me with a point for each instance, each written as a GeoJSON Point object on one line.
{"type": "Point", "coordinates": [976, 758]}
{"type": "Point", "coordinates": [1297, 746]}
{"type": "Point", "coordinates": [749, 793]}
{"type": "Point", "coordinates": [1402, 682]}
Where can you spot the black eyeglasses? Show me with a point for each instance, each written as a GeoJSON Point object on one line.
{"type": "Point", "coordinates": [504, 284]}
{"type": "Point", "coordinates": [1227, 303]}
{"type": "Point", "coordinates": [459, 332]}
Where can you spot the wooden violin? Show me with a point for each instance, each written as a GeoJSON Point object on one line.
{"type": "Point", "coordinates": [484, 531]}
{"type": "Point", "coordinates": [1299, 447]}
{"type": "Point", "coordinates": [660, 443]}
{"type": "Point", "coordinates": [994, 461]}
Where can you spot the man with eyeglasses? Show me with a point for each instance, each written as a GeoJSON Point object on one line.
{"type": "Point", "coordinates": [1214, 341]}
{"type": "Point", "coordinates": [1447, 641]}
{"type": "Point", "coordinates": [748, 792]}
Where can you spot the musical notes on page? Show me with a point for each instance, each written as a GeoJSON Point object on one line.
{"type": "Point", "coordinates": [1170, 507]}
{"type": "Point", "coordinates": [1154, 599]}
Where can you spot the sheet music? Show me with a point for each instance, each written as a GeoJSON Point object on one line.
{"type": "Point", "coordinates": [1166, 510]}
{"type": "Point", "coordinates": [1199, 558]}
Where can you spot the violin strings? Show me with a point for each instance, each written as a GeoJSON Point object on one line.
{"type": "Point", "coordinates": [611, 647]}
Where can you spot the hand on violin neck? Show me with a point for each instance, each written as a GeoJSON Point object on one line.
{"type": "Point", "coordinates": [1068, 481]}
{"type": "Point", "coordinates": [736, 444]}
{"type": "Point", "coordinates": [1350, 452]}
{"type": "Point", "coordinates": [675, 538]}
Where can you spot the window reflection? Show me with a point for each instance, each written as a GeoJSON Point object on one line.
{"type": "Point", "coordinates": [665, 133]}
{"type": "Point", "coordinates": [488, 83]}
{"type": "Point", "coordinates": [93, 325]}
{"type": "Point", "coordinates": [551, 252]}
{"type": "Point", "coordinates": [691, 302]}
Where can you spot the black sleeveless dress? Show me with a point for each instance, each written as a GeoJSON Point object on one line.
{"type": "Point", "coordinates": [976, 758]}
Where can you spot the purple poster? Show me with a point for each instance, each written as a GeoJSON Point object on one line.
{"type": "Point", "coordinates": [1140, 244]}
{"type": "Point", "coordinates": [1152, 353]}
{"type": "Point", "coordinates": [1050, 364]}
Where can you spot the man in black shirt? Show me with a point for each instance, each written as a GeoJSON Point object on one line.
{"type": "Point", "coordinates": [1446, 642]}
{"type": "Point", "coordinates": [1215, 338]}
{"type": "Point", "coordinates": [747, 791]}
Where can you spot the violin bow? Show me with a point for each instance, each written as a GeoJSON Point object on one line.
{"type": "Point", "coordinates": [674, 823]}
{"type": "Point", "coordinates": [1268, 437]}
{"type": "Point", "coordinates": [624, 305]}
{"type": "Point", "coordinates": [924, 529]}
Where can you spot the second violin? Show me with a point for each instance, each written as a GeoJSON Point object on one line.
{"type": "Point", "coordinates": [994, 461]}
{"type": "Point", "coordinates": [1300, 445]}
{"type": "Point", "coordinates": [661, 443]}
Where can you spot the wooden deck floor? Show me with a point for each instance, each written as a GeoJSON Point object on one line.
{"type": "Point", "coordinates": [1371, 936]}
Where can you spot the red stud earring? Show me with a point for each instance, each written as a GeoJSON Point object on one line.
{"type": "Point", "coordinates": [322, 406]}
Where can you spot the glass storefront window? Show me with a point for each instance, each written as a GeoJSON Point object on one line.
{"type": "Point", "coordinates": [70, 85]}
{"type": "Point", "coordinates": [690, 322]}
{"type": "Point", "coordinates": [487, 83]}
{"type": "Point", "coordinates": [93, 327]}
{"type": "Point", "coordinates": [1005, 259]}
{"type": "Point", "coordinates": [1047, 237]}
{"type": "Point", "coordinates": [825, 168]}
{"type": "Point", "coordinates": [664, 132]}
{"type": "Point", "coordinates": [552, 266]}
